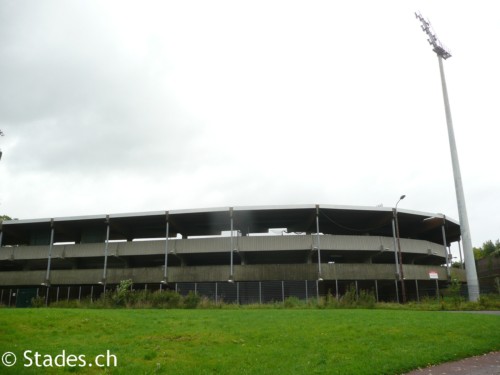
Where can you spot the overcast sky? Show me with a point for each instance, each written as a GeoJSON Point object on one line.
{"type": "Point", "coordinates": [121, 106]}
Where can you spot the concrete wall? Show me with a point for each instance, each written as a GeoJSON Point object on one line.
{"type": "Point", "coordinates": [221, 273]}
{"type": "Point", "coordinates": [222, 245]}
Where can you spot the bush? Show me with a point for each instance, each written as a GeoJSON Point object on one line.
{"type": "Point", "coordinates": [352, 299]}
{"type": "Point", "coordinates": [121, 296]}
{"type": "Point", "coordinates": [366, 299]}
{"type": "Point", "coordinates": [489, 302]}
{"type": "Point", "coordinates": [166, 299]}
{"type": "Point", "coordinates": [349, 299]}
{"type": "Point", "coordinates": [292, 301]}
{"type": "Point", "coordinates": [192, 300]}
{"type": "Point", "coordinates": [38, 302]}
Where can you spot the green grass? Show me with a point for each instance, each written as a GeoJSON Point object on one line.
{"type": "Point", "coordinates": [246, 341]}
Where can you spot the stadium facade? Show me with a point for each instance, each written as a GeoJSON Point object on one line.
{"type": "Point", "coordinates": [235, 254]}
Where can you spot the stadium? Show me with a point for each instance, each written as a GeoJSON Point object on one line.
{"type": "Point", "coordinates": [232, 254]}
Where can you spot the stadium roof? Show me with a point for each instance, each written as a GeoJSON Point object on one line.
{"type": "Point", "coordinates": [342, 220]}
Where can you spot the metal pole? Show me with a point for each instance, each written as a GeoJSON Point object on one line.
{"type": "Point", "coordinates": [320, 278]}
{"type": "Point", "coordinates": [47, 275]}
{"type": "Point", "coordinates": [376, 291]}
{"type": "Point", "coordinates": [47, 290]}
{"type": "Point", "coordinates": [336, 281]}
{"type": "Point", "coordinates": [396, 262]}
{"type": "Point", "coordinates": [165, 270]}
{"type": "Point", "coordinates": [470, 265]}
{"type": "Point", "coordinates": [416, 287]}
{"type": "Point", "coordinates": [395, 256]}
{"type": "Point", "coordinates": [307, 299]}
{"type": "Point", "coordinates": [260, 292]}
{"type": "Point", "coordinates": [106, 246]}
{"type": "Point", "coordinates": [283, 291]}
{"type": "Point", "coordinates": [231, 275]}
{"type": "Point", "coordinates": [401, 274]}
{"type": "Point", "coordinates": [446, 250]}
{"type": "Point", "coordinates": [397, 291]}
{"type": "Point", "coordinates": [238, 293]}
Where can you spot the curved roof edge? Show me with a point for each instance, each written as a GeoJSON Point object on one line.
{"type": "Point", "coordinates": [235, 208]}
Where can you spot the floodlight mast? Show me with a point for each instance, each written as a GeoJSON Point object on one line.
{"type": "Point", "coordinates": [470, 265]}
{"type": "Point", "coordinates": [438, 47]}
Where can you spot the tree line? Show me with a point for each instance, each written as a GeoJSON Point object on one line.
{"type": "Point", "coordinates": [489, 248]}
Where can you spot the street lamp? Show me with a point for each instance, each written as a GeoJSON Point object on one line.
{"type": "Point", "coordinates": [401, 274]}
{"type": "Point", "coordinates": [470, 265]}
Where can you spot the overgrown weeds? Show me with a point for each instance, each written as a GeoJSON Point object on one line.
{"type": "Point", "coordinates": [124, 296]}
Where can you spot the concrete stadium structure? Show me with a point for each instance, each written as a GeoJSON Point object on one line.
{"type": "Point", "coordinates": [238, 254]}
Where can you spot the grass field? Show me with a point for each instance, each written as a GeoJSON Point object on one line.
{"type": "Point", "coordinates": [245, 341]}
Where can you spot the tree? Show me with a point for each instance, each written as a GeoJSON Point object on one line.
{"type": "Point", "coordinates": [487, 249]}
{"type": "Point", "coordinates": [5, 217]}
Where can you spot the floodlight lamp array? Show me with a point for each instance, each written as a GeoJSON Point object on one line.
{"type": "Point", "coordinates": [438, 47]}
